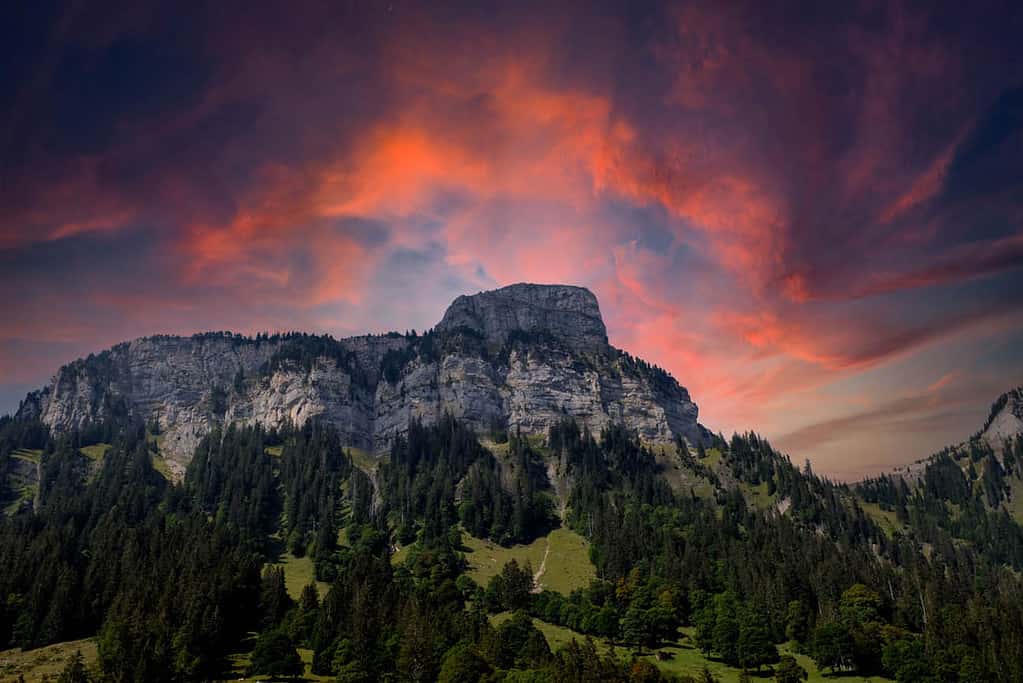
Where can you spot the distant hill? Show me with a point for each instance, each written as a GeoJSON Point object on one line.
{"type": "Point", "coordinates": [985, 472]}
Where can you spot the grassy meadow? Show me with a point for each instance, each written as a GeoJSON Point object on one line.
{"type": "Point", "coordinates": [567, 566]}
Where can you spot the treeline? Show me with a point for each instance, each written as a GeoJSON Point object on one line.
{"type": "Point", "coordinates": [962, 493]}
{"type": "Point", "coordinates": [422, 621]}
{"type": "Point", "coordinates": [438, 475]}
{"type": "Point", "coordinates": [167, 576]}
{"type": "Point", "coordinates": [18, 434]}
{"type": "Point", "coordinates": [174, 577]}
{"type": "Point", "coordinates": [129, 557]}
{"type": "Point", "coordinates": [745, 577]}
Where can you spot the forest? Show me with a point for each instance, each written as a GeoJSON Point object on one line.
{"type": "Point", "coordinates": [172, 579]}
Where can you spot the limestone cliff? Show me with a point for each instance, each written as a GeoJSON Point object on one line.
{"type": "Point", "coordinates": [519, 358]}
{"type": "Point", "coordinates": [1006, 419]}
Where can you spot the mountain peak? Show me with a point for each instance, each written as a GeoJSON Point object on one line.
{"type": "Point", "coordinates": [566, 312]}
{"type": "Point", "coordinates": [1006, 418]}
{"type": "Point", "coordinates": [371, 388]}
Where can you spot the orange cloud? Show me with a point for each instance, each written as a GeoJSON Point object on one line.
{"type": "Point", "coordinates": [744, 202]}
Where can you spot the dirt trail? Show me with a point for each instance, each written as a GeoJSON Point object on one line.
{"type": "Point", "coordinates": [537, 586]}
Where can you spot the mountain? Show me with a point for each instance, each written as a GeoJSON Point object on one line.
{"type": "Point", "coordinates": [1006, 419]}
{"type": "Point", "coordinates": [965, 487]}
{"type": "Point", "coordinates": [519, 358]}
{"type": "Point", "coordinates": [455, 505]}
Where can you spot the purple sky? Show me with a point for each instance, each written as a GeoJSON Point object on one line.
{"type": "Point", "coordinates": [812, 216]}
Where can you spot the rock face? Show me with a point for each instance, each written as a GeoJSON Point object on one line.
{"type": "Point", "coordinates": [518, 358]}
{"type": "Point", "coordinates": [570, 314]}
{"type": "Point", "coordinates": [1006, 420]}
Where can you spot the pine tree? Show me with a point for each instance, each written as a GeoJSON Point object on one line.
{"type": "Point", "coordinates": [789, 671]}
{"type": "Point", "coordinates": [754, 647]}
{"type": "Point", "coordinates": [274, 600]}
{"type": "Point", "coordinates": [74, 671]}
{"type": "Point", "coordinates": [275, 655]}
{"type": "Point", "coordinates": [726, 627]}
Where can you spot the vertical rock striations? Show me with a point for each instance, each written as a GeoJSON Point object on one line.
{"type": "Point", "coordinates": [521, 358]}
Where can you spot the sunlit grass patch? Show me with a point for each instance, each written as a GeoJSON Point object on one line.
{"type": "Point", "coordinates": [95, 452]}
{"type": "Point", "coordinates": [299, 572]}
{"type": "Point", "coordinates": [44, 663]}
{"type": "Point", "coordinates": [568, 563]}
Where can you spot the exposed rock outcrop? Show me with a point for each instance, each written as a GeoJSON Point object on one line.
{"type": "Point", "coordinates": [570, 314]}
{"type": "Point", "coordinates": [521, 358]}
{"type": "Point", "coordinates": [1006, 419]}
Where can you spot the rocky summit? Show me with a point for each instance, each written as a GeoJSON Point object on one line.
{"type": "Point", "coordinates": [1006, 418]}
{"type": "Point", "coordinates": [518, 358]}
{"type": "Point", "coordinates": [570, 314]}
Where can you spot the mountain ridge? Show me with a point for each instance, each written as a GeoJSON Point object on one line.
{"type": "Point", "coordinates": [686, 534]}
{"type": "Point", "coordinates": [520, 357]}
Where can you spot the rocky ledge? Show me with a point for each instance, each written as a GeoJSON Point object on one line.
{"type": "Point", "coordinates": [517, 358]}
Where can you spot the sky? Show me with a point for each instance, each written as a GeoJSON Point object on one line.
{"type": "Point", "coordinates": [811, 214]}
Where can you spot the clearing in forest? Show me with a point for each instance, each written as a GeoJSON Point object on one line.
{"type": "Point", "coordinates": [566, 568]}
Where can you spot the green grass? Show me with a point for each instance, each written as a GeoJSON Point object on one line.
{"type": "Point", "coordinates": [401, 554]}
{"type": "Point", "coordinates": [568, 563]}
{"type": "Point", "coordinates": [21, 494]}
{"type": "Point", "coordinates": [501, 450]}
{"type": "Point", "coordinates": [155, 440]}
{"type": "Point", "coordinates": [156, 458]}
{"type": "Point", "coordinates": [758, 496]}
{"type": "Point", "coordinates": [685, 658]}
{"type": "Point", "coordinates": [557, 636]}
{"type": "Point", "coordinates": [299, 572]}
{"type": "Point", "coordinates": [363, 459]}
{"type": "Point", "coordinates": [886, 519]}
{"type": "Point", "coordinates": [95, 452]}
{"type": "Point", "coordinates": [161, 466]}
{"type": "Point", "coordinates": [713, 459]}
{"type": "Point", "coordinates": [20, 488]}
{"type": "Point", "coordinates": [44, 663]}
{"type": "Point", "coordinates": [688, 660]}
{"type": "Point", "coordinates": [28, 455]}
{"type": "Point", "coordinates": [239, 664]}
{"type": "Point", "coordinates": [1015, 507]}
{"type": "Point", "coordinates": [678, 478]}
{"type": "Point", "coordinates": [486, 558]}
{"type": "Point", "coordinates": [1015, 504]}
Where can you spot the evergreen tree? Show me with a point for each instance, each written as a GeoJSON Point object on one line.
{"type": "Point", "coordinates": [789, 671]}
{"type": "Point", "coordinates": [754, 648]}
{"type": "Point", "coordinates": [726, 628]}
{"type": "Point", "coordinates": [832, 646]}
{"type": "Point", "coordinates": [74, 671]}
{"type": "Point", "coordinates": [274, 601]}
{"type": "Point", "coordinates": [275, 655]}
{"type": "Point", "coordinates": [462, 665]}
{"type": "Point", "coordinates": [796, 622]}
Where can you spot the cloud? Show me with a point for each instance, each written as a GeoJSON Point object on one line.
{"type": "Point", "coordinates": [862, 437]}
{"type": "Point", "coordinates": [771, 207]}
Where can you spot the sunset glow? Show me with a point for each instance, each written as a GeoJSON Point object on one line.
{"type": "Point", "coordinates": [815, 223]}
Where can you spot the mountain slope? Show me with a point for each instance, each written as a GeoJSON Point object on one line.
{"type": "Point", "coordinates": [519, 358]}
{"type": "Point", "coordinates": [519, 420]}
{"type": "Point", "coordinates": [971, 492]}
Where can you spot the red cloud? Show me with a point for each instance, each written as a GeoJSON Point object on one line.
{"type": "Point", "coordinates": [748, 206]}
